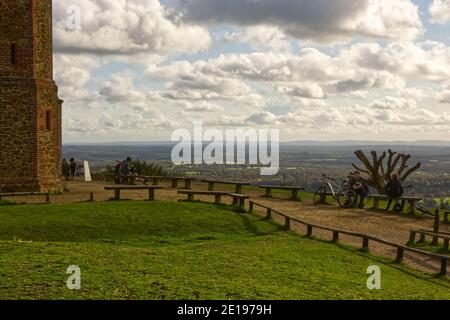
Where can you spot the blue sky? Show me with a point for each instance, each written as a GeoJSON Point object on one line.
{"type": "Point", "coordinates": [137, 70]}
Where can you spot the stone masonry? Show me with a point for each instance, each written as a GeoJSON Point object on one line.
{"type": "Point", "coordinates": [30, 111]}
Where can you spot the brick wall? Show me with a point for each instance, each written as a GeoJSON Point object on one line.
{"type": "Point", "coordinates": [30, 149]}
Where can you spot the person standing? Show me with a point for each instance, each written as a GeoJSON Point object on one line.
{"type": "Point", "coordinates": [359, 187]}
{"type": "Point", "coordinates": [65, 167]}
{"type": "Point", "coordinates": [73, 167]}
{"type": "Point", "coordinates": [117, 172]}
{"type": "Point", "coordinates": [125, 169]}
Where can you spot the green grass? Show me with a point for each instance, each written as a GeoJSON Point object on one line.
{"type": "Point", "coordinates": [428, 246]}
{"type": "Point", "coordinates": [6, 203]}
{"type": "Point", "coordinates": [142, 250]}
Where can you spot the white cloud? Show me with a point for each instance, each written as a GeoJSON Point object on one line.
{"type": "Point", "coordinates": [444, 96]}
{"type": "Point", "coordinates": [125, 27]}
{"type": "Point", "coordinates": [303, 90]}
{"type": "Point", "coordinates": [440, 11]}
{"type": "Point", "coordinates": [261, 37]}
{"type": "Point", "coordinates": [120, 88]}
{"type": "Point", "coordinates": [317, 20]}
{"type": "Point", "coordinates": [394, 104]}
{"type": "Point", "coordinates": [424, 61]}
{"type": "Point", "coordinates": [202, 106]}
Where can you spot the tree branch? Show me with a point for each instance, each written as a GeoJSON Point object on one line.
{"type": "Point", "coordinates": [410, 171]}
{"type": "Point", "coordinates": [405, 159]}
{"type": "Point", "coordinates": [362, 157]}
{"type": "Point", "coordinates": [361, 170]}
{"type": "Point", "coordinates": [394, 164]}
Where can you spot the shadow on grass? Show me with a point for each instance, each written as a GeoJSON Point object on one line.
{"type": "Point", "coordinates": [4, 203]}
{"type": "Point", "coordinates": [401, 267]}
{"type": "Point", "coordinates": [251, 227]}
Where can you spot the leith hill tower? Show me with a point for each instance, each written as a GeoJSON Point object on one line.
{"type": "Point", "coordinates": [30, 111]}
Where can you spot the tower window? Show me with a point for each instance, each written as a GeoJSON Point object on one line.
{"type": "Point", "coordinates": [13, 53]}
{"type": "Point", "coordinates": [48, 120]}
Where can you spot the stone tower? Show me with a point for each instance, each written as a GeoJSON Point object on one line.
{"type": "Point", "coordinates": [30, 111]}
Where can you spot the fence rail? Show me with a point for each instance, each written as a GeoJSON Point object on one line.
{"type": "Point", "coordinates": [401, 249]}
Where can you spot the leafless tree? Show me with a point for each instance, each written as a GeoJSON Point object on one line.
{"type": "Point", "coordinates": [378, 171]}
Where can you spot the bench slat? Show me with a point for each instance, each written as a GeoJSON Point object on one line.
{"type": "Point", "coordinates": [134, 188]}
{"type": "Point", "coordinates": [207, 193]}
{"type": "Point", "coordinates": [227, 182]}
{"type": "Point", "coordinates": [282, 187]}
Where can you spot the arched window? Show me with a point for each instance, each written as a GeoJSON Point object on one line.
{"type": "Point", "coordinates": [13, 53]}
{"type": "Point", "coordinates": [48, 120]}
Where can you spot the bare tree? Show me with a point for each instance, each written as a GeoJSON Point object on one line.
{"type": "Point", "coordinates": [378, 171]}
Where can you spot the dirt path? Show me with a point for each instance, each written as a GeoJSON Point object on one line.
{"type": "Point", "coordinates": [381, 224]}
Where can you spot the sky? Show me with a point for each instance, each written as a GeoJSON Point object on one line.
{"type": "Point", "coordinates": [137, 70]}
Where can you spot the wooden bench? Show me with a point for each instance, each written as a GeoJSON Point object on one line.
{"type": "Point", "coordinates": [293, 189]}
{"type": "Point", "coordinates": [410, 200]}
{"type": "Point", "coordinates": [175, 180]}
{"type": "Point", "coordinates": [436, 236]}
{"type": "Point", "coordinates": [323, 197]}
{"type": "Point", "coordinates": [238, 185]}
{"type": "Point", "coordinates": [26, 194]}
{"type": "Point", "coordinates": [117, 189]}
{"type": "Point", "coordinates": [217, 194]}
{"type": "Point", "coordinates": [239, 200]}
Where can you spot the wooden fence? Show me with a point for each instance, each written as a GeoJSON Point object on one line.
{"type": "Point", "coordinates": [401, 249]}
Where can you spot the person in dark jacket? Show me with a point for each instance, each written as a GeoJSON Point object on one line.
{"type": "Point", "coordinates": [125, 170]}
{"type": "Point", "coordinates": [73, 167]}
{"type": "Point", "coordinates": [394, 189]}
{"type": "Point", "coordinates": [65, 167]}
{"type": "Point", "coordinates": [355, 183]}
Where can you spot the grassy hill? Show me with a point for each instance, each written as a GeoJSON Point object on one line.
{"type": "Point", "coordinates": [162, 250]}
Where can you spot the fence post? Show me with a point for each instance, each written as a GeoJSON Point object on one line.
{"type": "Point", "coordinates": [309, 231]}
{"type": "Point", "coordinates": [422, 237]}
{"type": "Point", "coordinates": [412, 237]}
{"type": "Point", "coordinates": [250, 206]}
{"type": "Point", "coordinates": [400, 254]}
{"type": "Point", "coordinates": [335, 236]}
{"type": "Point", "coordinates": [287, 223]}
{"type": "Point", "coordinates": [446, 217]}
{"type": "Point", "coordinates": [445, 244]}
{"type": "Point", "coordinates": [443, 267]}
{"type": "Point", "coordinates": [365, 245]}
{"type": "Point", "coordinates": [91, 197]}
{"type": "Point", "coordinates": [269, 213]}
{"type": "Point", "coordinates": [47, 197]}
{"type": "Point", "coordinates": [437, 222]}
{"type": "Point", "coordinates": [151, 194]}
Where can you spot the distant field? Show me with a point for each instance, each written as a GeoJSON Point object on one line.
{"type": "Point", "coordinates": [141, 250]}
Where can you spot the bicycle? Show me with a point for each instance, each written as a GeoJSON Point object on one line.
{"type": "Point", "coordinates": [341, 193]}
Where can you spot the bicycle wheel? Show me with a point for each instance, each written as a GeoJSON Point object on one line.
{"type": "Point", "coordinates": [320, 196]}
{"type": "Point", "coordinates": [346, 199]}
